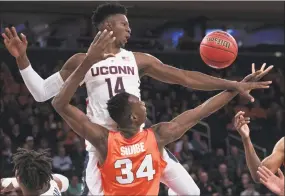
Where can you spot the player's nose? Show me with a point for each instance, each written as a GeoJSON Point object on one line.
{"type": "Point", "coordinates": [129, 30]}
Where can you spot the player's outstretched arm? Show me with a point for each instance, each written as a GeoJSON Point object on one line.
{"type": "Point", "coordinates": [61, 102]}
{"type": "Point", "coordinates": [169, 132]}
{"type": "Point", "coordinates": [41, 89]}
{"type": "Point", "coordinates": [151, 66]}
{"type": "Point", "coordinates": [272, 162]}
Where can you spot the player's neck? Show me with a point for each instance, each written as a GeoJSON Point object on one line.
{"type": "Point", "coordinates": [129, 132]}
{"type": "Point", "coordinates": [113, 49]}
{"type": "Point", "coordinates": [27, 192]}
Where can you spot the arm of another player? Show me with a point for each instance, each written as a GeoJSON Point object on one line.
{"type": "Point", "coordinates": [151, 66]}
{"type": "Point", "coordinates": [73, 116]}
{"type": "Point", "coordinates": [271, 181]}
{"type": "Point", "coordinates": [41, 89]}
{"type": "Point", "coordinates": [169, 132]}
{"type": "Point", "coordinates": [272, 162]}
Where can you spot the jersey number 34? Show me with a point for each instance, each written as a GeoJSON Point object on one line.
{"type": "Point", "coordinates": [145, 170]}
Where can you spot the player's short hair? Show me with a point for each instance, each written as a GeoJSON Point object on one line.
{"type": "Point", "coordinates": [105, 10]}
{"type": "Point", "coordinates": [119, 109]}
{"type": "Point", "coordinates": [33, 168]}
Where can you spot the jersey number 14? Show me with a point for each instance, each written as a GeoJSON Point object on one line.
{"type": "Point", "coordinates": [118, 88]}
{"type": "Point", "coordinates": [145, 170]}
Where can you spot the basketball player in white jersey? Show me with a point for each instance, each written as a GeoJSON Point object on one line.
{"type": "Point", "coordinates": [114, 75]}
{"type": "Point", "coordinates": [34, 176]}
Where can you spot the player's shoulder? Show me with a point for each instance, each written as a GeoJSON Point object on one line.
{"type": "Point", "coordinates": [53, 190]}
{"type": "Point", "coordinates": [78, 57]}
{"type": "Point", "coordinates": [142, 55]}
{"type": "Point", "coordinates": [280, 144]}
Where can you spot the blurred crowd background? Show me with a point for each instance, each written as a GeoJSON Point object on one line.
{"type": "Point", "coordinates": [212, 151]}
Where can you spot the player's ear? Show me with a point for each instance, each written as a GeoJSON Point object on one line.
{"type": "Point", "coordinates": [133, 117]}
{"type": "Point", "coordinates": [108, 26]}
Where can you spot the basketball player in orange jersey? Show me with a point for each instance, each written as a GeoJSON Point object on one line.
{"type": "Point", "coordinates": [273, 162]}
{"type": "Point", "coordinates": [130, 160]}
{"type": "Point", "coordinates": [111, 76]}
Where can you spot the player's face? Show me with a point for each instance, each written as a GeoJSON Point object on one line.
{"type": "Point", "coordinates": [121, 29]}
{"type": "Point", "coordinates": [138, 109]}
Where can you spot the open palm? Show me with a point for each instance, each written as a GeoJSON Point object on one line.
{"type": "Point", "coordinates": [271, 181]}
{"type": "Point", "coordinates": [15, 45]}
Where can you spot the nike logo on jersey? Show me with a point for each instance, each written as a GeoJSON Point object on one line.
{"type": "Point", "coordinates": [133, 149]}
{"type": "Point", "coordinates": [113, 70]}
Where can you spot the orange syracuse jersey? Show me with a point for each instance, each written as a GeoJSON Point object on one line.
{"type": "Point", "coordinates": [133, 166]}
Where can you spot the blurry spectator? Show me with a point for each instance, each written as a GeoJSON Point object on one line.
{"type": "Point", "coordinates": [62, 162]}
{"type": "Point", "coordinates": [250, 190]}
{"type": "Point", "coordinates": [219, 157]}
{"type": "Point", "coordinates": [228, 188]}
{"type": "Point", "coordinates": [223, 174]}
{"type": "Point", "coordinates": [16, 136]}
{"type": "Point", "coordinates": [75, 187]}
{"type": "Point", "coordinates": [206, 187]}
{"type": "Point", "coordinates": [6, 156]}
{"type": "Point", "coordinates": [257, 111]}
{"type": "Point", "coordinates": [235, 159]}
{"type": "Point", "coordinates": [43, 144]}
{"type": "Point", "coordinates": [67, 135]}
{"type": "Point", "coordinates": [198, 144]}
{"type": "Point", "coordinates": [29, 143]}
{"type": "Point", "coordinates": [78, 157]}
{"type": "Point", "coordinates": [179, 144]}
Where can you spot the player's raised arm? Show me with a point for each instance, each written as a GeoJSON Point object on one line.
{"type": "Point", "coordinates": [41, 89]}
{"type": "Point", "coordinates": [151, 66]}
{"type": "Point", "coordinates": [169, 132]}
{"type": "Point", "coordinates": [272, 162]}
{"type": "Point", "coordinates": [61, 102]}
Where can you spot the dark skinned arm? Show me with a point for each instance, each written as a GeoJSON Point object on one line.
{"type": "Point", "coordinates": [169, 132]}
{"type": "Point", "coordinates": [76, 119]}
{"type": "Point", "coordinates": [151, 66]}
{"type": "Point", "coordinates": [272, 162]}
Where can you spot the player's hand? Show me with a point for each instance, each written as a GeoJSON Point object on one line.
{"type": "Point", "coordinates": [240, 123]}
{"type": "Point", "coordinates": [98, 48]}
{"type": "Point", "coordinates": [271, 181]}
{"type": "Point", "coordinates": [250, 82]}
{"type": "Point", "coordinates": [15, 45]}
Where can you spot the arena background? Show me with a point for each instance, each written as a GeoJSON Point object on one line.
{"type": "Point", "coordinates": [171, 31]}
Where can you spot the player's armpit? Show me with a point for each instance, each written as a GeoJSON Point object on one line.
{"type": "Point", "coordinates": [71, 64]}
{"type": "Point", "coordinates": [275, 160]}
{"type": "Point", "coordinates": [80, 124]}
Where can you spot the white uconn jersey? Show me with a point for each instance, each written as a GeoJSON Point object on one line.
{"type": "Point", "coordinates": [106, 79]}
{"type": "Point", "coordinates": [53, 190]}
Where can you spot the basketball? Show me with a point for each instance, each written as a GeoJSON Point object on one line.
{"type": "Point", "coordinates": [218, 49]}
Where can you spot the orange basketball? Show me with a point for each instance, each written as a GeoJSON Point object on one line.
{"type": "Point", "coordinates": [218, 49]}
